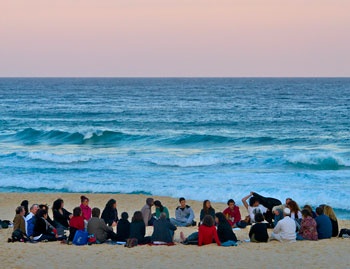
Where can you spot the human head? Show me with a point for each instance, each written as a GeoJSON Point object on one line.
{"type": "Point", "coordinates": [77, 211]}
{"type": "Point", "coordinates": [45, 207]}
{"type": "Point", "coordinates": [25, 204]}
{"type": "Point", "coordinates": [182, 202]}
{"type": "Point", "coordinates": [162, 215]}
{"type": "Point", "coordinates": [328, 211]}
{"type": "Point", "coordinates": [95, 212]}
{"type": "Point", "coordinates": [137, 217]}
{"type": "Point", "coordinates": [308, 207]}
{"type": "Point", "coordinates": [41, 213]}
{"type": "Point", "coordinates": [288, 200]}
{"type": "Point", "coordinates": [20, 210]}
{"type": "Point", "coordinates": [208, 221]}
{"type": "Point", "coordinates": [319, 210]}
{"type": "Point", "coordinates": [259, 217]}
{"type": "Point", "coordinates": [84, 200]}
{"type": "Point", "coordinates": [275, 210]}
{"type": "Point", "coordinates": [286, 211]}
{"type": "Point", "coordinates": [111, 204]}
{"type": "Point", "coordinates": [231, 203]}
{"type": "Point", "coordinates": [206, 204]}
{"type": "Point", "coordinates": [293, 206]}
{"type": "Point", "coordinates": [254, 201]}
{"type": "Point", "coordinates": [220, 217]}
{"type": "Point", "coordinates": [34, 208]}
{"type": "Point", "coordinates": [157, 203]}
{"type": "Point", "coordinates": [306, 213]}
{"type": "Point", "coordinates": [58, 204]}
{"type": "Point", "coordinates": [149, 201]}
{"type": "Point", "coordinates": [125, 215]}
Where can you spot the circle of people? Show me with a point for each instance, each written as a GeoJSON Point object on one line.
{"type": "Point", "coordinates": [288, 221]}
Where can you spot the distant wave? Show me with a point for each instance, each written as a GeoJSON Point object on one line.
{"type": "Point", "coordinates": [320, 161]}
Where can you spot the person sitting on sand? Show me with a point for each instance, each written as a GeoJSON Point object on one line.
{"type": "Point", "coordinates": [232, 213]}
{"type": "Point", "coordinates": [43, 231]}
{"type": "Point", "coordinates": [110, 213]}
{"type": "Point", "coordinates": [269, 203]}
{"type": "Point", "coordinates": [253, 207]}
{"type": "Point", "coordinates": [206, 234]}
{"type": "Point", "coordinates": [46, 207]}
{"type": "Point", "coordinates": [258, 231]}
{"type": "Point", "coordinates": [123, 227]}
{"type": "Point", "coordinates": [308, 227]}
{"type": "Point", "coordinates": [328, 211]}
{"type": "Point", "coordinates": [30, 219]}
{"type": "Point", "coordinates": [285, 228]}
{"type": "Point", "coordinates": [99, 228]}
{"type": "Point", "coordinates": [60, 216]}
{"type": "Point", "coordinates": [184, 215]}
{"type": "Point", "coordinates": [85, 208]}
{"type": "Point", "coordinates": [225, 233]}
{"type": "Point", "coordinates": [138, 228]}
{"type": "Point", "coordinates": [324, 224]}
{"type": "Point", "coordinates": [19, 220]}
{"type": "Point", "coordinates": [163, 229]}
{"type": "Point", "coordinates": [278, 214]}
{"type": "Point", "coordinates": [160, 209]}
{"type": "Point", "coordinates": [147, 212]}
{"type": "Point", "coordinates": [76, 223]}
{"type": "Point", "coordinates": [295, 213]}
{"type": "Point", "coordinates": [206, 210]}
{"type": "Point", "coordinates": [25, 204]}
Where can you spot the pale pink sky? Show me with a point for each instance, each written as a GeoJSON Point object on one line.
{"type": "Point", "coordinates": [182, 38]}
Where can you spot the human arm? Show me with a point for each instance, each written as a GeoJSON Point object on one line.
{"type": "Point", "coordinates": [191, 216]}
{"type": "Point", "coordinates": [216, 237]}
{"type": "Point", "coordinates": [244, 200]}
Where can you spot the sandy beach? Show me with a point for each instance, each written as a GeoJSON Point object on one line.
{"type": "Point", "coordinates": [332, 253]}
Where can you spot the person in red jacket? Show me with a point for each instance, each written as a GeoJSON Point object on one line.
{"type": "Point", "coordinates": [206, 234]}
{"type": "Point", "coordinates": [76, 223]}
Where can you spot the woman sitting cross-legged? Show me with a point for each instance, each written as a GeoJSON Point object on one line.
{"type": "Point", "coordinates": [308, 227]}
{"type": "Point", "coordinates": [206, 234]}
{"type": "Point", "coordinates": [138, 229]}
{"type": "Point", "coordinates": [43, 231]}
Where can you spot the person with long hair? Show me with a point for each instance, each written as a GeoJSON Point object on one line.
{"type": "Point", "coordinates": [110, 213]}
{"type": "Point", "coordinates": [224, 230]}
{"type": "Point", "coordinates": [85, 208]}
{"type": "Point", "coordinates": [328, 211]}
{"type": "Point", "coordinates": [25, 204]}
{"type": "Point", "coordinates": [207, 210]}
{"type": "Point", "coordinates": [308, 227]}
{"type": "Point", "coordinates": [138, 228]}
{"type": "Point", "coordinates": [43, 231]}
{"type": "Point", "coordinates": [160, 209]}
{"type": "Point", "coordinates": [60, 216]}
{"type": "Point", "coordinates": [206, 234]}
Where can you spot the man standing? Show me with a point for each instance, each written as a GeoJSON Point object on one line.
{"type": "Point", "coordinates": [147, 212]}
{"type": "Point", "coordinates": [184, 215]}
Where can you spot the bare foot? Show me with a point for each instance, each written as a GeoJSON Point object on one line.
{"type": "Point", "coordinates": [182, 237]}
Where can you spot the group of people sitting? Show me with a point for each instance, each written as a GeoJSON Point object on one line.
{"type": "Point", "coordinates": [289, 223]}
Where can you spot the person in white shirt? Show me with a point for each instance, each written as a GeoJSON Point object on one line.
{"type": "Point", "coordinates": [285, 229]}
{"type": "Point", "coordinates": [253, 207]}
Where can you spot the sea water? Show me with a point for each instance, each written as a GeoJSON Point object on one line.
{"type": "Point", "coordinates": [201, 138]}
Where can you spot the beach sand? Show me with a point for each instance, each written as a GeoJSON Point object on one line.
{"type": "Point", "coordinates": [330, 253]}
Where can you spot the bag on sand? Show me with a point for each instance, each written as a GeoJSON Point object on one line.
{"type": "Point", "coordinates": [80, 238]}
{"type": "Point", "coordinates": [344, 233]}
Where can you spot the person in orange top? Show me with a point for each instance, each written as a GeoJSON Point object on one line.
{"type": "Point", "coordinates": [206, 234]}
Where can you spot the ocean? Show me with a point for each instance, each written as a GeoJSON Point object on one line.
{"type": "Point", "coordinates": [201, 138]}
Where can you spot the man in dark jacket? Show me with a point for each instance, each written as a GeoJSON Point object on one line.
{"type": "Point", "coordinates": [163, 230]}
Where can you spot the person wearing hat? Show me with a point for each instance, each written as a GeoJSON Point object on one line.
{"type": "Point", "coordinates": [285, 228]}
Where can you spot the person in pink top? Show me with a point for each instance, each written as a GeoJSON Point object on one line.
{"type": "Point", "coordinates": [86, 210]}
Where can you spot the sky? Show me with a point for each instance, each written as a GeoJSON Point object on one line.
{"type": "Point", "coordinates": [174, 38]}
